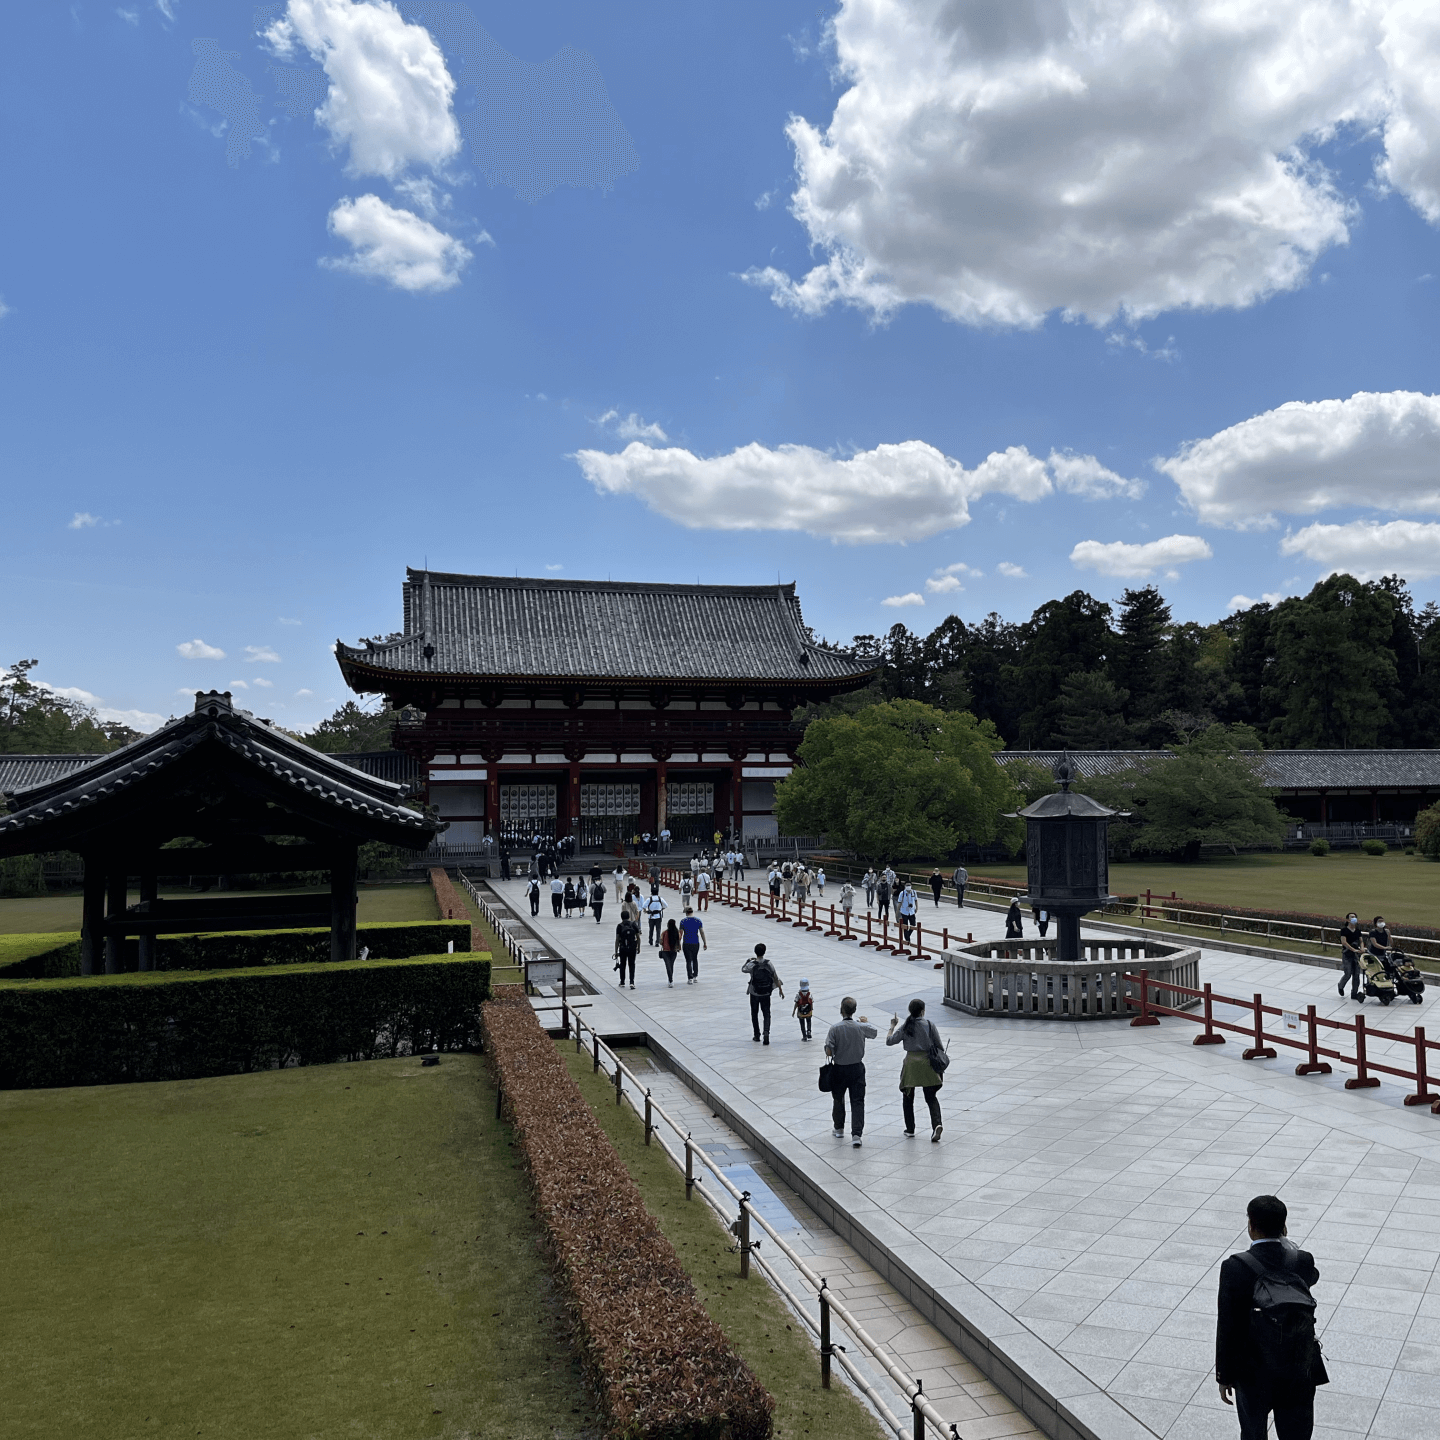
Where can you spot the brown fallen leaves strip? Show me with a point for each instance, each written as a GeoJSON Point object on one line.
{"type": "Point", "coordinates": [661, 1367]}
{"type": "Point", "coordinates": [452, 907]}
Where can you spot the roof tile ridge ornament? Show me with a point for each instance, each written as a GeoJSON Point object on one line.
{"type": "Point", "coordinates": [1064, 771]}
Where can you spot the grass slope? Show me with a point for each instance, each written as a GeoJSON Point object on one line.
{"type": "Point", "coordinates": [342, 1251]}
{"type": "Point", "coordinates": [1403, 888]}
{"type": "Point", "coordinates": [378, 905]}
{"type": "Point", "coordinates": [757, 1323]}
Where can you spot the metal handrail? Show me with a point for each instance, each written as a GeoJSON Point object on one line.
{"type": "Point", "coordinates": [910, 1387]}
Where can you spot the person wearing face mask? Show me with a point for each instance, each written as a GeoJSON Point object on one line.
{"type": "Point", "coordinates": [1352, 940]}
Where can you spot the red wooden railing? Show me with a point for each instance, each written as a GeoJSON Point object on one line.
{"type": "Point", "coordinates": [1262, 1042]}
{"type": "Point", "coordinates": [828, 920]}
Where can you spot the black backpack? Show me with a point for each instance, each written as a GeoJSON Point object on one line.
{"type": "Point", "coordinates": [1282, 1322]}
{"type": "Point", "coordinates": [762, 978]}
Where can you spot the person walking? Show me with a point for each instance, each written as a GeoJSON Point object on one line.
{"type": "Point", "coordinates": [868, 885]}
{"type": "Point", "coordinates": [569, 895]}
{"type": "Point", "coordinates": [774, 881]}
{"type": "Point", "coordinates": [692, 941]}
{"type": "Point", "coordinates": [1014, 922]}
{"type": "Point", "coordinates": [847, 902]}
{"type": "Point", "coordinates": [845, 1045]}
{"type": "Point", "coordinates": [919, 1036]}
{"type": "Point", "coordinates": [882, 899]}
{"type": "Point", "coordinates": [597, 898]}
{"type": "Point", "coordinates": [764, 980]}
{"type": "Point", "coordinates": [627, 946]}
{"type": "Point", "coordinates": [937, 885]}
{"type": "Point", "coordinates": [654, 913]}
{"type": "Point", "coordinates": [1041, 918]}
{"type": "Point", "coordinates": [702, 890]}
{"type": "Point", "coordinates": [665, 841]}
{"type": "Point", "coordinates": [960, 879]}
{"type": "Point", "coordinates": [532, 890]}
{"type": "Point", "coordinates": [670, 948]}
{"type": "Point", "coordinates": [804, 1009]}
{"type": "Point", "coordinates": [820, 883]}
{"type": "Point", "coordinates": [1267, 1358]}
{"type": "Point", "coordinates": [557, 894]}
{"type": "Point", "coordinates": [906, 907]}
{"type": "Point", "coordinates": [1352, 945]}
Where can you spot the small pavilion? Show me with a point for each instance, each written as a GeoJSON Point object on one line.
{"type": "Point", "coordinates": [244, 796]}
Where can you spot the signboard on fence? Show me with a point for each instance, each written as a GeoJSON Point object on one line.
{"type": "Point", "coordinates": [1290, 1020]}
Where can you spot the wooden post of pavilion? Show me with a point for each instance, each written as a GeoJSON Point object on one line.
{"type": "Point", "coordinates": [92, 924]}
{"type": "Point", "coordinates": [343, 878]}
{"type": "Point", "coordinates": [149, 885]}
{"type": "Point", "coordinates": [115, 896]}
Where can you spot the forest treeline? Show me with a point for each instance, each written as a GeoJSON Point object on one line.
{"type": "Point", "coordinates": [1351, 665]}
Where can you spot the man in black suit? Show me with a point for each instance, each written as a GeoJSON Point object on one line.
{"type": "Point", "coordinates": [1240, 1367]}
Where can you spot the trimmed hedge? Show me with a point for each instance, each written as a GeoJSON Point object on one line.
{"type": "Point", "coordinates": [110, 1029]}
{"type": "Point", "coordinates": [232, 949]}
{"type": "Point", "coordinates": [662, 1368]}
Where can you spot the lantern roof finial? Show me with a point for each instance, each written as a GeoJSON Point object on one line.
{"type": "Point", "coordinates": [1064, 771]}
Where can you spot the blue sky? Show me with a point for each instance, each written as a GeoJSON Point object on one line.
{"type": "Point", "coordinates": [882, 307]}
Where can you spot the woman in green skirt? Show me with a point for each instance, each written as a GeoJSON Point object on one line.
{"type": "Point", "coordinates": [917, 1035]}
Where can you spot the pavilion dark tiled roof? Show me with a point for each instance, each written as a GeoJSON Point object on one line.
{"type": "Point", "coordinates": [58, 796]}
{"type": "Point", "coordinates": [1284, 769]}
{"type": "Point", "coordinates": [21, 772]}
{"type": "Point", "coordinates": [491, 626]}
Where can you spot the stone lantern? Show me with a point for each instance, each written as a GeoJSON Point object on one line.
{"type": "Point", "coordinates": [1066, 858]}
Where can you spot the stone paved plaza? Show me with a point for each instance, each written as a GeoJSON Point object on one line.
{"type": "Point", "coordinates": [1091, 1177]}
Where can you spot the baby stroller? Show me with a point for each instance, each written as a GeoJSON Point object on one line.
{"type": "Point", "coordinates": [1377, 980]}
{"type": "Point", "coordinates": [1401, 969]}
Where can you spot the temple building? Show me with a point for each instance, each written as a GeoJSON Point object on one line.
{"type": "Point", "coordinates": [599, 709]}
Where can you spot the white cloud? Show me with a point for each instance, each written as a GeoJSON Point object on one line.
{"type": "Point", "coordinates": [301, 694]}
{"type": "Point", "coordinates": [1085, 476]}
{"type": "Point", "coordinates": [632, 426]}
{"type": "Point", "coordinates": [390, 94]}
{"type": "Point", "coordinates": [1012, 571]}
{"type": "Point", "coordinates": [238, 685]}
{"type": "Point", "coordinates": [263, 683]}
{"type": "Point", "coordinates": [142, 720]}
{"type": "Point", "coordinates": [892, 493]}
{"type": "Point", "coordinates": [1100, 157]}
{"type": "Point", "coordinates": [261, 655]}
{"type": "Point", "coordinates": [395, 246]}
{"type": "Point", "coordinates": [1135, 562]}
{"type": "Point", "coordinates": [942, 585]}
{"type": "Point", "coordinates": [130, 17]}
{"type": "Point", "coordinates": [554, 567]}
{"type": "Point", "coordinates": [896, 601]}
{"type": "Point", "coordinates": [166, 8]}
{"type": "Point", "coordinates": [83, 520]}
{"type": "Point", "coordinates": [1367, 549]}
{"type": "Point", "coordinates": [1244, 602]}
{"type": "Point", "coordinates": [198, 650]}
{"type": "Point", "coordinates": [1374, 449]}
{"type": "Point", "coordinates": [4, 309]}
{"type": "Point", "coordinates": [285, 620]}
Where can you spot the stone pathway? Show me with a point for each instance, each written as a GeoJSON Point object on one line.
{"type": "Point", "coordinates": [1092, 1176]}
{"type": "Point", "coordinates": [956, 1388]}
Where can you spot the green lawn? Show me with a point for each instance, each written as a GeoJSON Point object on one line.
{"type": "Point", "coordinates": [756, 1321]}
{"type": "Point", "coordinates": [378, 904]}
{"type": "Point", "coordinates": [1403, 888]}
{"type": "Point", "coordinates": [343, 1251]}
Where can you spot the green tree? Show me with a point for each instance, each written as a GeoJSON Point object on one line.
{"type": "Point", "coordinates": [1060, 638]}
{"type": "Point", "coordinates": [1210, 793]}
{"type": "Point", "coordinates": [36, 721]}
{"type": "Point", "coordinates": [352, 729]}
{"type": "Point", "coordinates": [1334, 671]}
{"type": "Point", "coordinates": [1092, 713]}
{"type": "Point", "coordinates": [1135, 662]}
{"type": "Point", "coordinates": [897, 781]}
{"type": "Point", "coordinates": [1427, 832]}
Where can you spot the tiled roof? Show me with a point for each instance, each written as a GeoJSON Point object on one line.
{"type": "Point", "coordinates": [364, 803]}
{"type": "Point", "coordinates": [1284, 769]}
{"type": "Point", "coordinates": [495, 627]}
{"type": "Point", "coordinates": [393, 765]}
{"type": "Point", "coordinates": [20, 772]}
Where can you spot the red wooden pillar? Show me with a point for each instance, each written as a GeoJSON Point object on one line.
{"type": "Point", "coordinates": [568, 821]}
{"type": "Point", "coordinates": [737, 818]}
